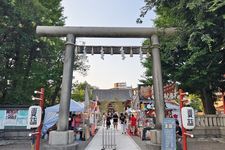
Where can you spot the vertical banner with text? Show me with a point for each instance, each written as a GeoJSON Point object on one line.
{"type": "Point", "coordinates": [169, 134]}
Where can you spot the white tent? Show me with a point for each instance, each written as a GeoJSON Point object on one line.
{"type": "Point", "coordinates": [74, 106]}
{"type": "Point", "coordinates": [51, 114]}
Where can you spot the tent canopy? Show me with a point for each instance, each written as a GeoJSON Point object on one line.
{"type": "Point", "coordinates": [51, 114]}
{"type": "Point", "coordinates": [74, 106]}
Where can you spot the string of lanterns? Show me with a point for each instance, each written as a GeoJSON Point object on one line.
{"type": "Point", "coordinates": [102, 53]}
{"type": "Point", "coordinates": [122, 53]}
{"type": "Point", "coordinates": [131, 50]}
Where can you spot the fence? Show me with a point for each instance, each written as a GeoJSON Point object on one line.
{"type": "Point", "coordinates": [108, 139]}
{"type": "Point", "coordinates": [210, 121]}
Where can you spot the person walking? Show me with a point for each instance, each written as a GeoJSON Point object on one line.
{"type": "Point", "coordinates": [108, 123]}
{"type": "Point", "coordinates": [123, 122]}
{"type": "Point", "coordinates": [115, 121]}
{"type": "Point", "coordinates": [127, 121]}
{"type": "Point", "coordinates": [103, 119]}
{"type": "Point", "coordinates": [133, 121]}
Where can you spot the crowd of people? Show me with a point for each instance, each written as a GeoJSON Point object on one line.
{"type": "Point", "coordinates": [128, 122]}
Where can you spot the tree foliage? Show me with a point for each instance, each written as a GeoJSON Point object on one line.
{"type": "Point", "coordinates": [29, 62]}
{"type": "Point", "coordinates": [78, 92]}
{"type": "Point", "coordinates": [195, 102]}
{"type": "Point", "coordinates": [194, 56]}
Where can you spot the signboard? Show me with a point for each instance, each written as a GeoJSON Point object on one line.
{"type": "Point", "coordinates": [169, 91]}
{"type": "Point", "coordinates": [22, 116]}
{"type": "Point", "coordinates": [169, 134]}
{"type": "Point", "coordinates": [34, 116]}
{"type": "Point", "coordinates": [145, 92]}
{"type": "Point", "coordinates": [11, 116]}
{"type": "Point", "coordinates": [188, 117]}
{"type": "Point", "coordinates": [2, 119]}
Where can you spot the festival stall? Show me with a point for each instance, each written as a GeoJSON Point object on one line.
{"type": "Point", "coordinates": [51, 114]}
{"type": "Point", "coordinates": [146, 109]}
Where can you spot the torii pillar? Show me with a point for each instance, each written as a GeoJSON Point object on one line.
{"type": "Point", "coordinates": [63, 138]}
{"type": "Point", "coordinates": [157, 82]}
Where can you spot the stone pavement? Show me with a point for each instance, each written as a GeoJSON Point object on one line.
{"type": "Point", "coordinates": [15, 144]}
{"type": "Point", "coordinates": [206, 143]}
{"type": "Point", "coordinates": [123, 141]}
{"type": "Point", "coordinates": [26, 144]}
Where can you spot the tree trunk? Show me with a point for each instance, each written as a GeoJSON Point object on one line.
{"type": "Point", "coordinates": [208, 101]}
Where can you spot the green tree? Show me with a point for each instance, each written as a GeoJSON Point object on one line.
{"type": "Point", "coordinates": [29, 62]}
{"type": "Point", "coordinates": [78, 92]}
{"type": "Point", "coordinates": [194, 56]}
{"type": "Point", "coordinates": [195, 102]}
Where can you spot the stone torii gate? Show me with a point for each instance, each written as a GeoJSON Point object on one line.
{"type": "Point", "coordinates": [62, 135]}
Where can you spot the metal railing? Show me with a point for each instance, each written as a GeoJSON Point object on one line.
{"type": "Point", "coordinates": [210, 121]}
{"type": "Point", "coordinates": [108, 139]}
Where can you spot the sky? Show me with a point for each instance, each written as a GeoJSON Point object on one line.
{"type": "Point", "coordinates": [108, 13]}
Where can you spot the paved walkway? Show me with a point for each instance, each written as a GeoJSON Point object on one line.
{"type": "Point", "coordinates": [123, 141]}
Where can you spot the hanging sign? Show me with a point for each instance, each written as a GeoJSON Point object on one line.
{"type": "Point", "coordinates": [34, 116]}
{"type": "Point", "coordinates": [188, 117]}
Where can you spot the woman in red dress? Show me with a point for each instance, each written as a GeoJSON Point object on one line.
{"type": "Point", "coordinates": [133, 121]}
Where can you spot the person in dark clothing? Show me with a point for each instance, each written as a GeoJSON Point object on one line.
{"type": "Point", "coordinates": [123, 122]}
{"type": "Point", "coordinates": [115, 120]}
{"type": "Point", "coordinates": [108, 123]}
{"type": "Point", "coordinates": [70, 121]}
{"type": "Point", "coordinates": [178, 129]}
{"type": "Point", "coordinates": [178, 136]}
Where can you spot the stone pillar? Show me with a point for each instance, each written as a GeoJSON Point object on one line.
{"type": "Point", "coordinates": [157, 82]}
{"type": "Point", "coordinates": [63, 139]}
{"type": "Point", "coordinates": [66, 84]}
